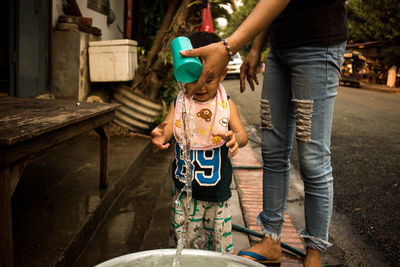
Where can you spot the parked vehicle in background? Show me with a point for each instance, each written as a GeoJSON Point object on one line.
{"type": "Point", "coordinates": [234, 65]}
{"type": "Point", "coordinates": [353, 64]}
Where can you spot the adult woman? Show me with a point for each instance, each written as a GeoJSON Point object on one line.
{"type": "Point", "coordinates": [307, 40]}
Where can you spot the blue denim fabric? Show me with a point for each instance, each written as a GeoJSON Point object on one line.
{"type": "Point", "coordinates": [299, 89]}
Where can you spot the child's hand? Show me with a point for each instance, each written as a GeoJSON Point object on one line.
{"type": "Point", "coordinates": [158, 136]}
{"type": "Point", "coordinates": [231, 141]}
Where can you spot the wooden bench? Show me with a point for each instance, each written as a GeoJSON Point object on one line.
{"type": "Point", "coordinates": [28, 126]}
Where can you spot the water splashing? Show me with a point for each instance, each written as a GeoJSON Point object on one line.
{"type": "Point", "coordinates": [187, 132]}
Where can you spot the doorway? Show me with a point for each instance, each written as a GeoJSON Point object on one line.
{"type": "Point", "coordinates": [24, 55]}
{"type": "Point", "coordinates": [5, 56]}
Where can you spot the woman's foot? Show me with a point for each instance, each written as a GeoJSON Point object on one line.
{"type": "Point", "coordinates": [268, 248]}
{"type": "Point", "coordinates": [313, 258]}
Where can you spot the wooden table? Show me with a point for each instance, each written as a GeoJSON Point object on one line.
{"type": "Point", "coordinates": [28, 126]}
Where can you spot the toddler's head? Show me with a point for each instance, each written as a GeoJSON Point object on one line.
{"type": "Point", "coordinates": [209, 90]}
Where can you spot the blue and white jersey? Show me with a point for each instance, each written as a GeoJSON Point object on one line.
{"type": "Point", "coordinates": [212, 172]}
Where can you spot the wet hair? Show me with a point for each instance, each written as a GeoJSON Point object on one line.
{"type": "Point", "coordinates": [199, 39]}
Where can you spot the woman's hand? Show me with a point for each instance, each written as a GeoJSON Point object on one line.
{"type": "Point", "coordinates": [231, 141]}
{"type": "Point", "coordinates": [249, 69]}
{"type": "Point", "coordinates": [158, 136]}
{"type": "Point", "coordinates": [214, 59]}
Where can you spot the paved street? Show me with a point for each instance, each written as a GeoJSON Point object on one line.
{"type": "Point", "coordinates": [365, 149]}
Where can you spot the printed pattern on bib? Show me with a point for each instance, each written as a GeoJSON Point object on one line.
{"type": "Point", "coordinates": [210, 117]}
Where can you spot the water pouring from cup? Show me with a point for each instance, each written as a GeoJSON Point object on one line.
{"type": "Point", "coordinates": [186, 70]}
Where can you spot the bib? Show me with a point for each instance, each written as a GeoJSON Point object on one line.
{"type": "Point", "coordinates": [211, 116]}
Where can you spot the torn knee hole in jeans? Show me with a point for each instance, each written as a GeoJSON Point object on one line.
{"type": "Point", "coordinates": [304, 110]}
{"type": "Point", "coordinates": [266, 119]}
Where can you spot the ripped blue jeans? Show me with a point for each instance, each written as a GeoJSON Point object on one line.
{"type": "Point", "coordinates": [299, 89]}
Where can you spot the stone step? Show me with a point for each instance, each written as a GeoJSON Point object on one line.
{"type": "Point", "coordinates": [58, 204]}
{"type": "Point", "coordinates": [140, 217]}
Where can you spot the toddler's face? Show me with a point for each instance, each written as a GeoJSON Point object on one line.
{"type": "Point", "coordinates": [207, 92]}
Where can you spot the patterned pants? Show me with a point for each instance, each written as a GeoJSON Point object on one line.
{"type": "Point", "coordinates": [209, 226]}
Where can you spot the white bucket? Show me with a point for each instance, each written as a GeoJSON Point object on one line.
{"type": "Point", "coordinates": [190, 257]}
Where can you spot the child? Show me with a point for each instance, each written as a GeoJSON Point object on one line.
{"type": "Point", "coordinates": [218, 131]}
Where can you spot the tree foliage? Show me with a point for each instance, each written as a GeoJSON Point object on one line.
{"type": "Point", "coordinates": [392, 56]}
{"type": "Point", "coordinates": [376, 20]}
{"type": "Point", "coordinates": [149, 15]}
{"type": "Point", "coordinates": [219, 9]}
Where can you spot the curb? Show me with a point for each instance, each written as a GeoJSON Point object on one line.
{"type": "Point", "coordinates": [378, 88]}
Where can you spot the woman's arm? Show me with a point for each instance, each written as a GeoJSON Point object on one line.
{"type": "Point", "coordinates": [215, 57]}
{"type": "Point", "coordinates": [252, 61]}
{"type": "Point", "coordinates": [258, 21]}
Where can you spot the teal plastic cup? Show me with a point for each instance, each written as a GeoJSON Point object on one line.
{"type": "Point", "coordinates": [186, 69]}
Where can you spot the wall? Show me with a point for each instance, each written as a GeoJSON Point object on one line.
{"type": "Point", "coordinates": [69, 65]}
{"type": "Point", "coordinates": [109, 32]}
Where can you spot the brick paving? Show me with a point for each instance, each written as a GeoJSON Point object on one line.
{"type": "Point", "coordinates": [248, 178]}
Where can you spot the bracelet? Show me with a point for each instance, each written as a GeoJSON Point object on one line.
{"type": "Point", "coordinates": [228, 50]}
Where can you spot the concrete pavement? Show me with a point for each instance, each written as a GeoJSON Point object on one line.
{"type": "Point", "coordinates": [61, 218]}
{"type": "Point", "coordinates": [247, 173]}
{"type": "Point", "coordinates": [57, 206]}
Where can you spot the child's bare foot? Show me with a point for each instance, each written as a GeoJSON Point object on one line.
{"type": "Point", "coordinates": [313, 258]}
{"type": "Point", "coordinates": [267, 248]}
